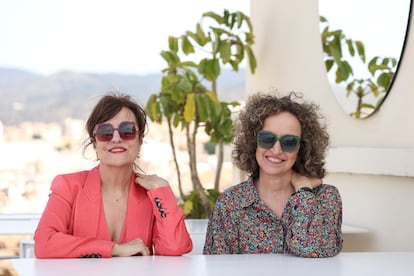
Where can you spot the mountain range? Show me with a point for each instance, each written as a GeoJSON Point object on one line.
{"type": "Point", "coordinates": [27, 96]}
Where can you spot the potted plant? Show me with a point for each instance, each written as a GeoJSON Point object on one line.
{"type": "Point", "coordinates": [187, 100]}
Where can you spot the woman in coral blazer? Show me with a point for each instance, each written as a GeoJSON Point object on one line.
{"type": "Point", "coordinates": [111, 210]}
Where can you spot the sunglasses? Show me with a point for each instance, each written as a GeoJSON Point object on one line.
{"type": "Point", "coordinates": [267, 139]}
{"type": "Point", "coordinates": [105, 132]}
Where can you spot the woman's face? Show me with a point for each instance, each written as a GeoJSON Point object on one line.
{"type": "Point", "coordinates": [275, 161]}
{"type": "Point", "coordinates": [118, 152]}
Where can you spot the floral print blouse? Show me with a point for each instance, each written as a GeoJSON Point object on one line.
{"type": "Point", "coordinates": [310, 225]}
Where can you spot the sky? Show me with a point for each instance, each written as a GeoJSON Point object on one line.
{"type": "Point", "coordinates": [127, 36]}
{"type": "Point", "coordinates": [102, 36]}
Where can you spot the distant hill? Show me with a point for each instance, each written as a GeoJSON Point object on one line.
{"type": "Point", "coordinates": [26, 96]}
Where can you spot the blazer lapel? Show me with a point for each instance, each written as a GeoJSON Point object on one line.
{"type": "Point", "coordinates": [89, 205]}
{"type": "Point", "coordinates": [139, 215]}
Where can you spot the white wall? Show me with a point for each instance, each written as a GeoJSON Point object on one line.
{"type": "Point", "coordinates": [371, 160]}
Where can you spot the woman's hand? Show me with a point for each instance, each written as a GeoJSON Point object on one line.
{"type": "Point", "coordinates": [130, 248]}
{"type": "Point", "coordinates": [151, 181]}
{"type": "Point", "coordinates": [299, 181]}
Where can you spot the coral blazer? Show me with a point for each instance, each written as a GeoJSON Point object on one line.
{"type": "Point", "coordinates": [73, 223]}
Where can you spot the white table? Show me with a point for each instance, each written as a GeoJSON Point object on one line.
{"type": "Point", "coordinates": [350, 264]}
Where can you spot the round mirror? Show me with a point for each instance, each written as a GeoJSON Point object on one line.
{"type": "Point", "coordinates": [363, 42]}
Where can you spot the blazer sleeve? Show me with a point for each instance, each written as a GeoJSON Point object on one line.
{"type": "Point", "coordinates": [170, 235]}
{"type": "Point", "coordinates": [53, 236]}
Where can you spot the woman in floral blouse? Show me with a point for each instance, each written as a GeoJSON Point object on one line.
{"type": "Point", "coordinates": [283, 207]}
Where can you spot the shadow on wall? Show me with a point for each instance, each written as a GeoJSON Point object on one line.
{"type": "Point", "coordinates": [357, 242]}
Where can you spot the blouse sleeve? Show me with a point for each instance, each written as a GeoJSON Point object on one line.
{"type": "Point", "coordinates": [170, 235]}
{"type": "Point", "coordinates": [53, 237]}
{"type": "Point", "coordinates": [314, 222]}
{"type": "Point", "coordinates": [220, 229]}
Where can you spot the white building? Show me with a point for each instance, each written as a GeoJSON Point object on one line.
{"type": "Point", "coordinates": [371, 160]}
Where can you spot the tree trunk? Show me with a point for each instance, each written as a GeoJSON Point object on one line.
{"type": "Point", "coordinates": [177, 167]}
{"type": "Point", "coordinates": [191, 144]}
{"type": "Point", "coordinates": [220, 158]}
{"type": "Point", "coordinates": [220, 153]}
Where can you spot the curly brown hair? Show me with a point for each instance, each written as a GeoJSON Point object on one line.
{"type": "Point", "coordinates": [314, 141]}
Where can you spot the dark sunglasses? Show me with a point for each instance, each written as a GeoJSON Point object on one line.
{"type": "Point", "coordinates": [267, 139]}
{"type": "Point", "coordinates": [105, 132]}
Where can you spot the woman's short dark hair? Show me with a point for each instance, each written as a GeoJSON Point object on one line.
{"type": "Point", "coordinates": [110, 105]}
{"type": "Point", "coordinates": [314, 141]}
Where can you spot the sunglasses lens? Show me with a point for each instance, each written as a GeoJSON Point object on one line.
{"type": "Point", "coordinates": [104, 133]}
{"type": "Point", "coordinates": [289, 143]}
{"type": "Point", "coordinates": [266, 139]}
{"type": "Point", "coordinates": [127, 131]}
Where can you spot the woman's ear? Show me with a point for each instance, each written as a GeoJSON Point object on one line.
{"type": "Point", "coordinates": [93, 142]}
{"type": "Point", "coordinates": [141, 139]}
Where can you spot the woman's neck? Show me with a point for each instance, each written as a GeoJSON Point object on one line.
{"type": "Point", "coordinates": [274, 184]}
{"type": "Point", "coordinates": [116, 179]}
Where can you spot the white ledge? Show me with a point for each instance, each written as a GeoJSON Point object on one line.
{"type": "Point", "coordinates": [377, 161]}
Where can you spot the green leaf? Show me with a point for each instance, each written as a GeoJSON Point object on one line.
{"type": "Point", "coordinates": [335, 52]}
{"type": "Point", "coordinates": [189, 109]}
{"type": "Point", "coordinates": [231, 20]}
{"type": "Point", "coordinates": [219, 19]}
{"type": "Point", "coordinates": [202, 107]}
{"type": "Point", "coordinates": [372, 65]}
{"type": "Point", "coordinates": [385, 61]}
{"type": "Point", "coordinates": [173, 44]}
{"type": "Point", "coordinates": [239, 55]}
{"type": "Point", "coordinates": [239, 19]}
{"type": "Point", "coordinates": [349, 88]}
{"type": "Point", "coordinates": [328, 64]}
{"type": "Point", "coordinates": [252, 59]}
{"type": "Point", "coordinates": [153, 109]}
{"type": "Point", "coordinates": [209, 68]}
{"type": "Point", "coordinates": [213, 98]}
{"type": "Point", "coordinates": [367, 105]}
{"type": "Point", "coordinates": [384, 80]}
{"type": "Point", "coordinates": [186, 45]}
{"type": "Point", "coordinates": [201, 37]}
{"type": "Point", "coordinates": [188, 207]}
{"type": "Point", "coordinates": [177, 119]}
{"type": "Point", "coordinates": [171, 58]}
{"type": "Point", "coordinates": [374, 89]}
{"type": "Point", "coordinates": [350, 47]}
{"type": "Point", "coordinates": [249, 39]}
{"type": "Point", "coordinates": [168, 106]}
{"type": "Point", "coordinates": [345, 69]}
{"type": "Point", "coordinates": [394, 62]}
{"type": "Point", "coordinates": [184, 85]}
{"type": "Point", "coordinates": [188, 64]}
{"type": "Point", "coordinates": [361, 50]}
{"type": "Point", "coordinates": [234, 65]}
{"type": "Point", "coordinates": [225, 51]}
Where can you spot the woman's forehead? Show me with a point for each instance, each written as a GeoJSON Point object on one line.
{"type": "Point", "coordinates": [125, 114]}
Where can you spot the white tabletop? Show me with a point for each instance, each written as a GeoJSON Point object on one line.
{"type": "Point", "coordinates": [352, 264]}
